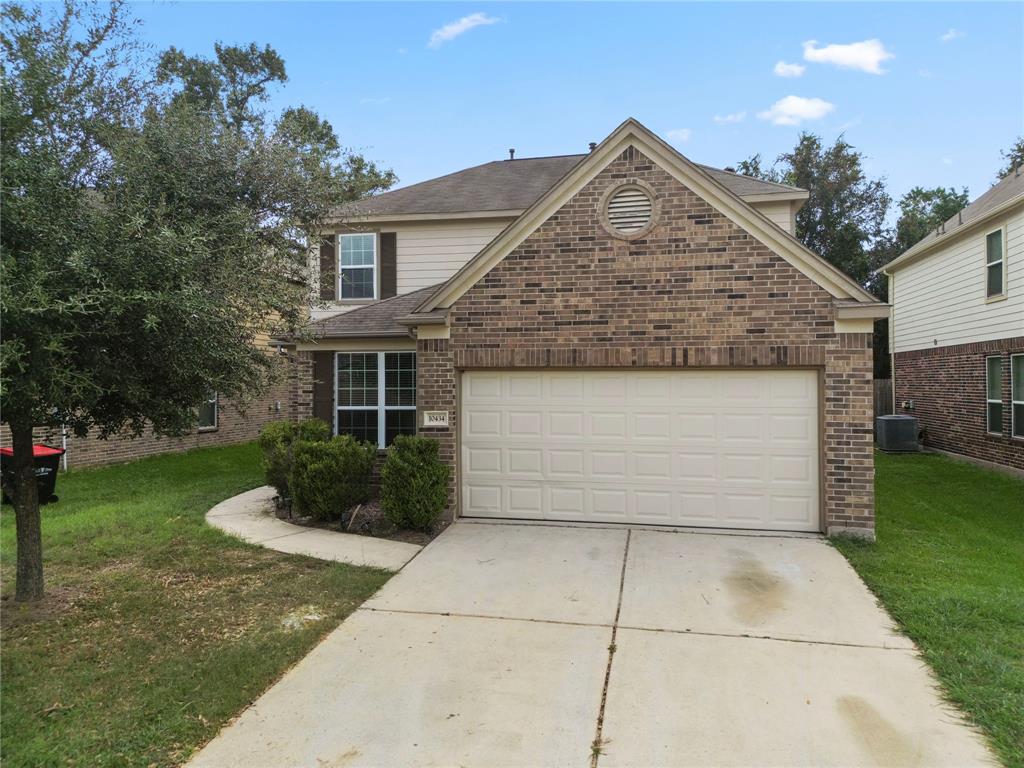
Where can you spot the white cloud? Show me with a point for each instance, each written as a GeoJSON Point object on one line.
{"type": "Point", "coordinates": [952, 34]}
{"type": "Point", "coordinates": [867, 55]}
{"type": "Point", "coordinates": [925, 73]}
{"type": "Point", "coordinates": [679, 134]}
{"type": "Point", "coordinates": [453, 29]}
{"type": "Point", "coordinates": [793, 110]}
{"type": "Point", "coordinates": [732, 117]}
{"type": "Point", "coordinates": [782, 69]}
{"type": "Point", "coordinates": [947, 161]}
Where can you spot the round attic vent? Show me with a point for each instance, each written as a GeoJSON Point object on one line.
{"type": "Point", "coordinates": [629, 210]}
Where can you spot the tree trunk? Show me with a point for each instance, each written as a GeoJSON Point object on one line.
{"type": "Point", "coordinates": [29, 582]}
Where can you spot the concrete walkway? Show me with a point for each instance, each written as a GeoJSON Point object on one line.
{"type": "Point", "coordinates": [534, 645]}
{"type": "Point", "coordinates": [250, 517]}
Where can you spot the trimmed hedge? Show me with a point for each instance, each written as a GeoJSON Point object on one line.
{"type": "Point", "coordinates": [277, 439]}
{"type": "Point", "coordinates": [329, 478]}
{"type": "Point", "coordinates": [414, 483]}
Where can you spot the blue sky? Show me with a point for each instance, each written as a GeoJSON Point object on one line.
{"type": "Point", "coordinates": [931, 101]}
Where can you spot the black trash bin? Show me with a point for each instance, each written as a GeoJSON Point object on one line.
{"type": "Point", "coordinates": [47, 462]}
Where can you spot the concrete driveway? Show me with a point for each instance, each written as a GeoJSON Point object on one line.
{"type": "Point", "coordinates": [531, 645]}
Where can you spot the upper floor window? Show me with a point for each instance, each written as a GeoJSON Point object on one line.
{"type": "Point", "coordinates": [994, 395]}
{"type": "Point", "coordinates": [995, 265]}
{"type": "Point", "coordinates": [208, 412]}
{"type": "Point", "coordinates": [357, 266]}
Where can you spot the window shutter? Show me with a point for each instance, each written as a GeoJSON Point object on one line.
{"type": "Point", "coordinates": [323, 387]}
{"type": "Point", "coordinates": [388, 265]}
{"type": "Point", "coordinates": [328, 270]}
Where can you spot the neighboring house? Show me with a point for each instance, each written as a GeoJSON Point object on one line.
{"type": "Point", "coordinates": [219, 422]}
{"type": "Point", "coordinates": [616, 337]}
{"type": "Point", "coordinates": [957, 329]}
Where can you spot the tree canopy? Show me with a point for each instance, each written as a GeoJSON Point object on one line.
{"type": "Point", "coordinates": [1013, 157]}
{"type": "Point", "coordinates": [845, 214]}
{"type": "Point", "coordinates": [155, 228]}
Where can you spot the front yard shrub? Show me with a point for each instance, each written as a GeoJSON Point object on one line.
{"type": "Point", "coordinates": [414, 483]}
{"type": "Point", "coordinates": [328, 478]}
{"type": "Point", "coordinates": [276, 441]}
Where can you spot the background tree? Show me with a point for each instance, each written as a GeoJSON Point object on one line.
{"type": "Point", "coordinates": [921, 211]}
{"type": "Point", "coordinates": [844, 217]}
{"type": "Point", "coordinates": [154, 228]}
{"type": "Point", "coordinates": [1012, 157]}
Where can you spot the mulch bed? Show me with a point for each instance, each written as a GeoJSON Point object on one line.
{"type": "Point", "coordinates": [364, 520]}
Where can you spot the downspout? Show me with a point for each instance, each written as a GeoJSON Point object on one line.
{"type": "Point", "coordinates": [892, 336]}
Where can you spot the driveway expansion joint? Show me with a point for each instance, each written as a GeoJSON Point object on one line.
{"type": "Point", "coordinates": [598, 745]}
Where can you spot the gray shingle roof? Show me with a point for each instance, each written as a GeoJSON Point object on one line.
{"type": "Point", "coordinates": [377, 319]}
{"type": "Point", "coordinates": [504, 185]}
{"type": "Point", "coordinates": [1003, 191]}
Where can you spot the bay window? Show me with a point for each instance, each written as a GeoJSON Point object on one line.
{"type": "Point", "coordinates": [376, 395]}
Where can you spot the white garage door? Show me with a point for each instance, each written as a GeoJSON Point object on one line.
{"type": "Point", "coordinates": [730, 449]}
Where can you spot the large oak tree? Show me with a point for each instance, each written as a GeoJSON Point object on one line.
{"type": "Point", "coordinates": [154, 221]}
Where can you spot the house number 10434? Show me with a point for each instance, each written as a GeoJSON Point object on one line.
{"type": "Point", "coordinates": [435, 418]}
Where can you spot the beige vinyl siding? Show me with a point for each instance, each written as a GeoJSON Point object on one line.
{"type": "Point", "coordinates": [430, 253]}
{"type": "Point", "coordinates": [781, 214]}
{"type": "Point", "coordinates": [940, 299]}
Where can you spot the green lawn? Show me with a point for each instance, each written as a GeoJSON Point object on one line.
{"type": "Point", "coordinates": [949, 566]}
{"type": "Point", "coordinates": [156, 628]}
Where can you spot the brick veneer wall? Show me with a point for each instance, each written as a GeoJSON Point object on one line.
{"type": "Point", "coordinates": [694, 291]}
{"type": "Point", "coordinates": [948, 387]}
{"type": "Point", "coordinates": [233, 426]}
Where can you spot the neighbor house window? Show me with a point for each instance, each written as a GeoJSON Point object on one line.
{"type": "Point", "coordinates": [208, 412]}
{"type": "Point", "coordinates": [376, 395]}
{"type": "Point", "coordinates": [994, 396]}
{"type": "Point", "coordinates": [357, 270]}
{"type": "Point", "coordinates": [1017, 395]}
{"type": "Point", "coordinates": [995, 265]}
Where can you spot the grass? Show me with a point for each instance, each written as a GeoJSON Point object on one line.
{"type": "Point", "coordinates": [156, 628]}
{"type": "Point", "coordinates": [949, 567]}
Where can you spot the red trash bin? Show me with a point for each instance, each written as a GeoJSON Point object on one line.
{"type": "Point", "coordinates": [47, 462]}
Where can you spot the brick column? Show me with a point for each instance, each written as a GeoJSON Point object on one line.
{"type": "Point", "coordinates": [849, 437]}
{"type": "Point", "coordinates": [435, 391]}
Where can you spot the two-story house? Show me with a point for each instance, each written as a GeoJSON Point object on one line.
{"type": "Point", "coordinates": [621, 336]}
{"type": "Point", "coordinates": [957, 329]}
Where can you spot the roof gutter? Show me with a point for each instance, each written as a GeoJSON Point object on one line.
{"type": "Point", "coordinates": [925, 247]}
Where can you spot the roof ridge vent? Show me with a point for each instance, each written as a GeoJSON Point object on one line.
{"type": "Point", "coordinates": [511, 153]}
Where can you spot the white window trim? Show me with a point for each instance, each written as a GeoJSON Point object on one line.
{"type": "Point", "coordinates": [375, 266]}
{"type": "Point", "coordinates": [216, 414]}
{"type": "Point", "coordinates": [1013, 413]}
{"type": "Point", "coordinates": [1002, 261]}
{"type": "Point", "coordinates": [382, 408]}
{"type": "Point", "coordinates": [989, 401]}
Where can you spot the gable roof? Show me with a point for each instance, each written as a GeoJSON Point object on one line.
{"type": "Point", "coordinates": [1004, 194]}
{"type": "Point", "coordinates": [377, 319]}
{"type": "Point", "coordinates": [511, 186]}
{"type": "Point", "coordinates": [704, 184]}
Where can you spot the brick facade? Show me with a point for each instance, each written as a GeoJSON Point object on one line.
{"type": "Point", "coordinates": [948, 387]}
{"type": "Point", "coordinates": [695, 291]}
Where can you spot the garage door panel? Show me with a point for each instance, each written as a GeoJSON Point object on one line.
{"type": "Point", "coordinates": [746, 456]}
{"type": "Point", "coordinates": [525, 461]}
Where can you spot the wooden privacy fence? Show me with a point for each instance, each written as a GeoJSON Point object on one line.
{"type": "Point", "coordinates": [883, 397]}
